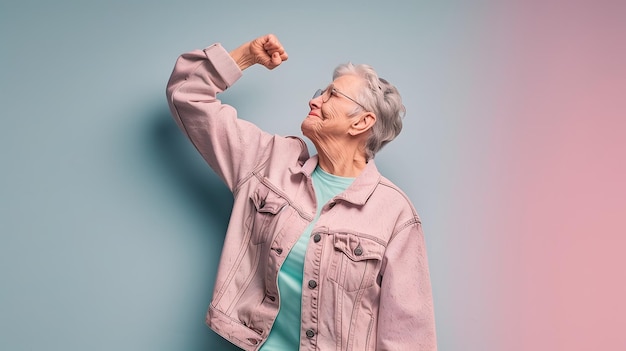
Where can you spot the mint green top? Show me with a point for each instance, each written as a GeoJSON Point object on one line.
{"type": "Point", "coordinates": [285, 333]}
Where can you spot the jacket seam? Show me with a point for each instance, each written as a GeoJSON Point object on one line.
{"type": "Point", "coordinates": [263, 180]}
{"type": "Point", "coordinates": [404, 196]}
{"type": "Point", "coordinates": [244, 286]}
{"type": "Point", "coordinates": [245, 179]}
{"type": "Point", "coordinates": [356, 233]}
{"type": "Point", "coordinates": [403, 226]}
{"type": "Point", "coordinates": [173, 98]}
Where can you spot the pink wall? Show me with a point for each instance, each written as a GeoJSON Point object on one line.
{"type": "Point", "coordinates": [559, 176]}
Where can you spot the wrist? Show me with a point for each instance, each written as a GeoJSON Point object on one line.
{"type": "Point", "coordinates": [242, 56]}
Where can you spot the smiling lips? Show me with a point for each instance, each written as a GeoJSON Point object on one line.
{"type": "Point", "coordinates": [315, 114]}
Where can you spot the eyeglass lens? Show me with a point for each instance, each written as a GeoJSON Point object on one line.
{"type": "Point", "coordinates": [318, 93]}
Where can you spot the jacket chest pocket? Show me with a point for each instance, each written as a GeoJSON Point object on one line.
{"type": "Point", "coordinates": [355, 261]}
{"type": "Point", "coordinates": [264, 219]}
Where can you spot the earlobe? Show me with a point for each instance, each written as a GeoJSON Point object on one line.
{"type": "Point", "coordinates": [362, 124]}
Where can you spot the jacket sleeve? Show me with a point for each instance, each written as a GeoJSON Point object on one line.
{"type": "Point", "coordinates": [406, 317]}
{"type": "Point", "coordinates": [232, 147]}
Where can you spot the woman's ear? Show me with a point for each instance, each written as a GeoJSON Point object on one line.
{"type": "Point", "coordinates": [362, 123]}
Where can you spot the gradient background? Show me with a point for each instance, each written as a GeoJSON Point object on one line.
{"type": "Point", "coordinates": [513, 152]}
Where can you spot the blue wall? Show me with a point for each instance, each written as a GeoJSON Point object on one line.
{"type": "Point", "coordinates": [111, 226]}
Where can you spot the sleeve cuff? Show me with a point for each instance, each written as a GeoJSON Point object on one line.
{"type": "Point", "coordinates": [225, 66]}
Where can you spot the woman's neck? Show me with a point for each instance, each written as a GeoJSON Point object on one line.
{"type": "Point", "coordinates": [343, 162]}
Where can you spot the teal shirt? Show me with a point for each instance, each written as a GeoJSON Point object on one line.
{"type": "Point", "coordinates": [285, 333]}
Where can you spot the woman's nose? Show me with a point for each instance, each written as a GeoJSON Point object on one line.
{"type": "Point", "coordinates": [315, 102]}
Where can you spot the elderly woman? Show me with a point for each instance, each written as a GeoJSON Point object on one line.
{"type": "Point", "coordinates": [322, 252]}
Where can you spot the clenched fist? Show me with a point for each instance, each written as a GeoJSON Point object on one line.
{"type": "Point", "coordinates": [265, 50]}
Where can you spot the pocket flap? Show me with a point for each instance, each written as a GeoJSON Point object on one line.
{"type": "Point", "coordinates": [358, 248]}
{"type": "Point", "coordinates": [266, 201]}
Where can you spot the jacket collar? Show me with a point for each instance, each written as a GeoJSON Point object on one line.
{"type": "Point", "coordinates": [359, 191]}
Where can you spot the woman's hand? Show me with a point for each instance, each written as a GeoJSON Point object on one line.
{"type": "Point", "coordinates": [265, 50]}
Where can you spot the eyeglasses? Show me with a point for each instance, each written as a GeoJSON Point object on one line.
{"type": "Point", "coordinates": [328, 92]}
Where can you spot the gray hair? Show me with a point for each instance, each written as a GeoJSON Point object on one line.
{"type": "Point", "coordinates": [381, 98]}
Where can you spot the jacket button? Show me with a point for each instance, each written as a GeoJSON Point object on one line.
{"type": "Point", "coordinates": [317, 238]}
{"type": "Point", "coordinates": [272, 298]}
{"type": "Point", "coordinates": [279, 251]}
{"type": "Point", "coordinates": [310, 333]}
{"type": "Point", "coordinates": [358, 251]}
{"type": "Point", "coordinates": [312, 284]}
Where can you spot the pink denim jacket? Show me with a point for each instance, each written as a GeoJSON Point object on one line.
{"type": "Point", "coordinates": [366, 281]}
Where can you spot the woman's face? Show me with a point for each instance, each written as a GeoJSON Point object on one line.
{"type": "Point", "coordinates": [328, 122]}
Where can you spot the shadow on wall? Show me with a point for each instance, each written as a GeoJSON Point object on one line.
{"type": "Point", "coordinates": [209, 200]}
{"type": "Point", "coordinates": [189, 172]}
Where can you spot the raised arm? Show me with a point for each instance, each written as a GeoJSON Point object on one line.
{"type": "Point", "coordinates": [231, 146]}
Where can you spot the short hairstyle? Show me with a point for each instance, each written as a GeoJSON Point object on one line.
{"type": "Point", "coordinates": [379, 97]}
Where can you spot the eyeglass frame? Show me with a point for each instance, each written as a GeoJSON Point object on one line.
{"type": "Point", "coordinates": [334, 90]}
